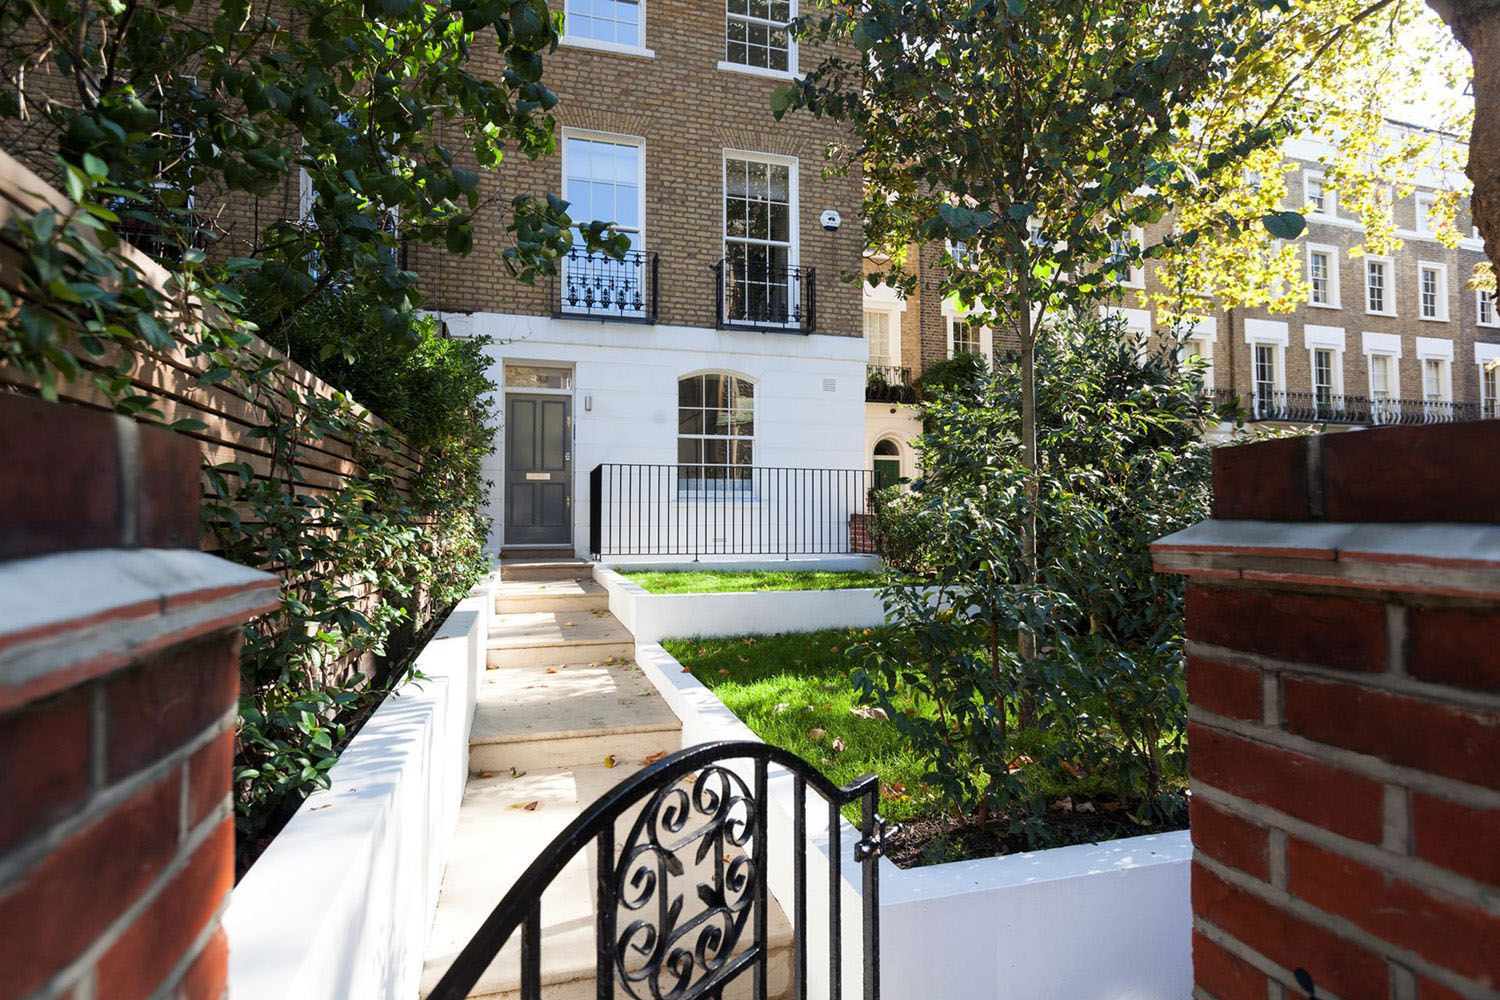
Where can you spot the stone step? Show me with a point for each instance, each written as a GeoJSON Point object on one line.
{"type": "Point", "coordinates": [553, 595]}
{"type": "Point", "coordinates": [545, 569]}
{"type": "Point", "coordinates": [569, 714]}
{"type": "Point", "coordinates": [535, 552]}
{"type": "Point", "coordinates": [504, 825]}
{"type": "Point", "coordinates": [552, 637]}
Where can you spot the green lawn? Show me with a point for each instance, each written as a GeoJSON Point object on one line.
{"type": "Point", "coordinates": [724, 582]}
{"type": "Point", "coordinates": [793, 690]}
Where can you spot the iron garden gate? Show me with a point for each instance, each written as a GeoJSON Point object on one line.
{"type": "Point", "coordinates": [691, 881]}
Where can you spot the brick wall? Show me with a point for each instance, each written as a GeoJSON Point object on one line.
{"type": "Point", "coordinates": [1343, 641]}
{"type": "Point", "coordinates": [119, 678]}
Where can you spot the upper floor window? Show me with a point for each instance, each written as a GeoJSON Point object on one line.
{"type": "Point", "coordinates": [761, 281]}
{"type": "Point", "coordinates": [1125, 257]}
{"type": "Point", "coordinates": [1424, 203]}
{"type": "Point", "coordinates": [880, 324]}
{"type": "Point", "coordinates": [1320, 199]}
{"type": "Point", "coordinates": [715, 432]}
{"type": "Point", "coordinates": [1489, 382]}
{"type": "Point", "coordinates": [1323, 374]}
{"type": "Point", "coordinates": [614, 22]}
{"type": "Point", "coordinates": [1378, 295]}
{"type": "Point", "coordinates": [1381, 383]}
{"type": "Point", "coordinates": [968, 338]}
{"type": "Point", "coordinates": [1432, 289]}
{"type": "Point", "coordinates": [1485, 307]}
{"type": "Point", "coordinates": [604, 178]}
{"type": "Point", "coordinates": [757, 36]}
{"type": "Point", "coordinates": [1434, 379]}
{"type": "Point", "coordinates": [1322, 276]}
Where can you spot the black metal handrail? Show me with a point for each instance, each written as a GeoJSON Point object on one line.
{"type": "Point", "coordinates": [596, 286]}
{"type": "Point", "coordinates": [889, 384]}
{"type": "Point", "coordinates": [639, 509]}
{"type": "Point", "coordinates": [756, 296]}
{"type": "Point", "coordinates": [1326, 408]}
{"type": "Point", "coordinates": [693, 806]}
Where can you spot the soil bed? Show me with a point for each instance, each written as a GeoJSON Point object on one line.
{"type": "Point", "coordinates": [936, 841]}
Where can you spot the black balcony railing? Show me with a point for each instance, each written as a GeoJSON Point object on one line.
{"type": "Point", "coordinates": [752, 294]}
{"type": "Point", "coordinates": [698, 510]}
{"type": "Point", "coordinates": [596, 286]}
{"type": "Point", "coordinates": [1324, 408]}
{"type": "Point", "coordinates": [888, 384]}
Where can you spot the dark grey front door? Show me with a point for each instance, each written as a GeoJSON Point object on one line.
{"type": "Point", "coordinates": [538, 469]}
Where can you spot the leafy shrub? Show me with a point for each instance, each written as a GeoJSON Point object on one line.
{"type": "Point", "coordinates": [1121, 465]}
{"type": "Point", "coordinates": [953, 373]}
{"type": "Point", "coordinates": [898, 536]}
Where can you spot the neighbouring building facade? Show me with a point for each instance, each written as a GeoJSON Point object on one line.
{"type": "Point", "coordinates": [707, 391]}
{"type": "Point", "coordinates": [1381, 339]}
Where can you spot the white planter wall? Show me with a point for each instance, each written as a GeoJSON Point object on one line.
{"type": "Point", "coordinates": [809, 392]}
{"type": "Point", "coordinates": [340, 905]}
{"type": "Point", "coordinates": [653, 617]}
{"type": "Point", "coordinates": [1091, 922]}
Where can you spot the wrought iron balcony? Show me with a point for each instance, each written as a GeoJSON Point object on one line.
{"type": "Point", "coordinates": [1323, 408]}
{"type": "Point", "coordinates": [596, 286]}
{"type": "Point", "coordinates": [750, 294]}
{"type": "Point", "coordinates": [887, 384]}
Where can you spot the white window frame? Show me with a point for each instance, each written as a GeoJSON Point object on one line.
{"type": "Point", "coordinates": [690, 489]}
{"type": "Point", "coordinates": [1440, 350]}
{"type": "Point", "coordinates": [1206, 332]}
{"type": "Point", "coordinates": [1325, 338]}
{"type": "Point", "coordinates": [1388, 307]}
{"type": "Point", "coordinates": [986, 336]}
{"type": "Point", "coordinates": [1334, 296]}
{"type": "Point", "coordinates": [1479, 320]}
{"type": "Point", "coordinates": [1275, 335]}
{"type": "Point", "coordinates": [1422, 220]}
{"type": "Point", "coordinates": [1137, 321]}
{"type": "Point", "coordinates": [1484, 356]}
{"type": "Point", "coordinates": [1330, 202]}
{"type": "Point", "coordinates": [588, 135]}
{"type": "Point", "coordinates": [1441, 270]}
{"type": "Point", "coordinates": [794, 209]}
{"type": "Point", "coordinates": [790, 73]}
{"type": "Point", "coordinates": [1135, 273]}
{"type": "Point", "coordinates": [884, 298]}
{"type": "Point", "coordinates": [571, 40]}
{"type": "Point", "coordinates": [1387, 346]}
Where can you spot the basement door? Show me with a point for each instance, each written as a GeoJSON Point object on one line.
{"type": "Point", "coordinates": [538, 469]}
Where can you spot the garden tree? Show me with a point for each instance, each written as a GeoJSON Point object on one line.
{"type": "Point", "coordinates": [1121, 464]}
{"type": "Point", "coordinates": [167, 115]}
{"type": "Point", "coordinates": [1033, 137]}
{"type": "Point", "coordinates": [1338, 70]}
{"type": "Point", "coordinates": [1476, 24]}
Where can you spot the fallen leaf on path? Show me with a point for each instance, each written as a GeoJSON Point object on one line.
{"type": "Point", "coordinates": [515, 773]}
{"type": "Point", "coordinates": [609, 761]}
{"type": "Point", "coordinates": [626, 701]}
{"type": "Point", "coordinates": [655, 757]}
{"type": "Point", "coordinates": [551, 670]}
{"type": "Point", "coordinates": [486, 774]}
{"type": "Point", "coordinates": [527, 806]}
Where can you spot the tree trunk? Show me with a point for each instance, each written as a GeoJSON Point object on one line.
{"type": "Point", "coordinates": [1476, 24]}
{"type": "Point", "coordinates": [1025, 641]}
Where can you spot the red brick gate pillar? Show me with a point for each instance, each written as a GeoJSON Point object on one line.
{"type": "Point", "coordinates": [119, 677]}
{"type": "Point", "coordinates": [1343, 624]}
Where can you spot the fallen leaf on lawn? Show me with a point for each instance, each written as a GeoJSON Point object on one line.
{"type": "Point", "coordinates": [742, 659]}
{"type": "Point", "coordinates": [1072, 769]}
{"type": "Point", "coordinates": [868, 712]}
{"type": "Point", "coordinates": [750, 640]}
{"type": "Point", "coordinates": [687, 669]}
{"type": "Point", "coordinates": [702, 651]}
{"type": "Point", "coordinates": [781, 706]}
{"type": "Point", "coordinates": [1137, 820]}
{"type": "Point", "coordinates": [838, 745]}
{"type": "Point", "coordinates": [1085, 807]}
{"type": "Point", "coordinates": [528, 806]}
{"type": "Point", "coordinates": [1063, 805]}
{"type": "Point", "coordinates": [1111, 807]}
{"type": "Point", "coordinates": [609, 761]}
{"type": "Point", "coordinates": [827, 706]}
{"type": "Point", "coordinates": [723, 673]}
{"type": "Point", "coordinates": [815, 733]}
{"type": "Point", "coordinates": [1018, 763]}
{"type": "Point", "coordinates": [655, 757]}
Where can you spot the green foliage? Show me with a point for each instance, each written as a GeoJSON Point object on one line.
{"type": "Point", "coordinates": [950, 373]}
{"type": "Point", "coordinates": [898, 535]}
{"type": "Point", "coordinates": [1122, 465]}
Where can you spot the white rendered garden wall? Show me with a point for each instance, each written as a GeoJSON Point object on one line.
{"type": "Point", "coordinates": [340, 904]}
{"type": "Point", "coordinates": [809, 394]}
{"type": "Point", "coordinates": [652, 617]}
{"type": "Point", "coordinates": [1091, 922]}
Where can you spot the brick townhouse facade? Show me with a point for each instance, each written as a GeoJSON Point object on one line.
{"type": "Point", "coordinates": [1382, 339]}
{"type": "Point", "coordinates": [727, 341]}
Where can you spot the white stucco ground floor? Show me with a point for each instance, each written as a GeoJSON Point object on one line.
{"type": "Point", "coordinates": [709, 441]}
{"type": "Point", "coordinates": [890, 430]}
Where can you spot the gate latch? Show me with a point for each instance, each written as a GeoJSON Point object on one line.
{"type": "Point", "coordinates": [874, 845]}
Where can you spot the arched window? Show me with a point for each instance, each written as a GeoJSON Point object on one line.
{"type": "Point", "coordinates": [887, 447]}
{"type": "Point", "coordinates": [715, 431]}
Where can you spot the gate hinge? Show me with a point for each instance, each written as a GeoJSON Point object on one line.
{"type": "Point", "coordinates": [874, 846]}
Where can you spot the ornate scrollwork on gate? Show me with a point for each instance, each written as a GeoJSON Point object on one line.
{"type": "Point", "coordinates": [672, 949]}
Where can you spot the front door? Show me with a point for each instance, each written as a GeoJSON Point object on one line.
{"type": "Point", "coordinates": [538, 469]}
